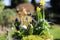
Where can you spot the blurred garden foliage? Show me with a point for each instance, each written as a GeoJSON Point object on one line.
{"type": "Point", "coordinates": [7, 16]}
{"type": "Point", "coordinates": [3, 37]}
{"type": "Point", "coordinates": [32, 37]}
{"type": "Point", "coordinates": [1, 6]}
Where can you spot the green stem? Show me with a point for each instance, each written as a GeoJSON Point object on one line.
{"type": "Point", "coordinates": [43, 13]}
{"type": "Point", "coordinates": [43, 16]}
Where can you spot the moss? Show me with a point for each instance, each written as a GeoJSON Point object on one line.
{"type": "Point", "coordinates": [32, 37]}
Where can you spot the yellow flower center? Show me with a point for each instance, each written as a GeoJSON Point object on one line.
{"type": "Point", "coordinates": [42, 2]}
{"type": "Point", "coordinates": [38, 9]}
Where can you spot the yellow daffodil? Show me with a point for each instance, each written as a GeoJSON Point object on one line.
{"type": "Point", "coordinates": [38, 9]}
{"type": "Point", "coordinates": [42, 2]}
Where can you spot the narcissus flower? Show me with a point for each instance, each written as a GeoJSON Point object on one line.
{"type": "Point", "coordinates": [38, 9]}
{"type": "Point", "coordinates": [42, 2]}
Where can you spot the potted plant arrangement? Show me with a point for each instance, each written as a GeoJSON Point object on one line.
{"type": "Point", "coordinates": [30, 29]}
